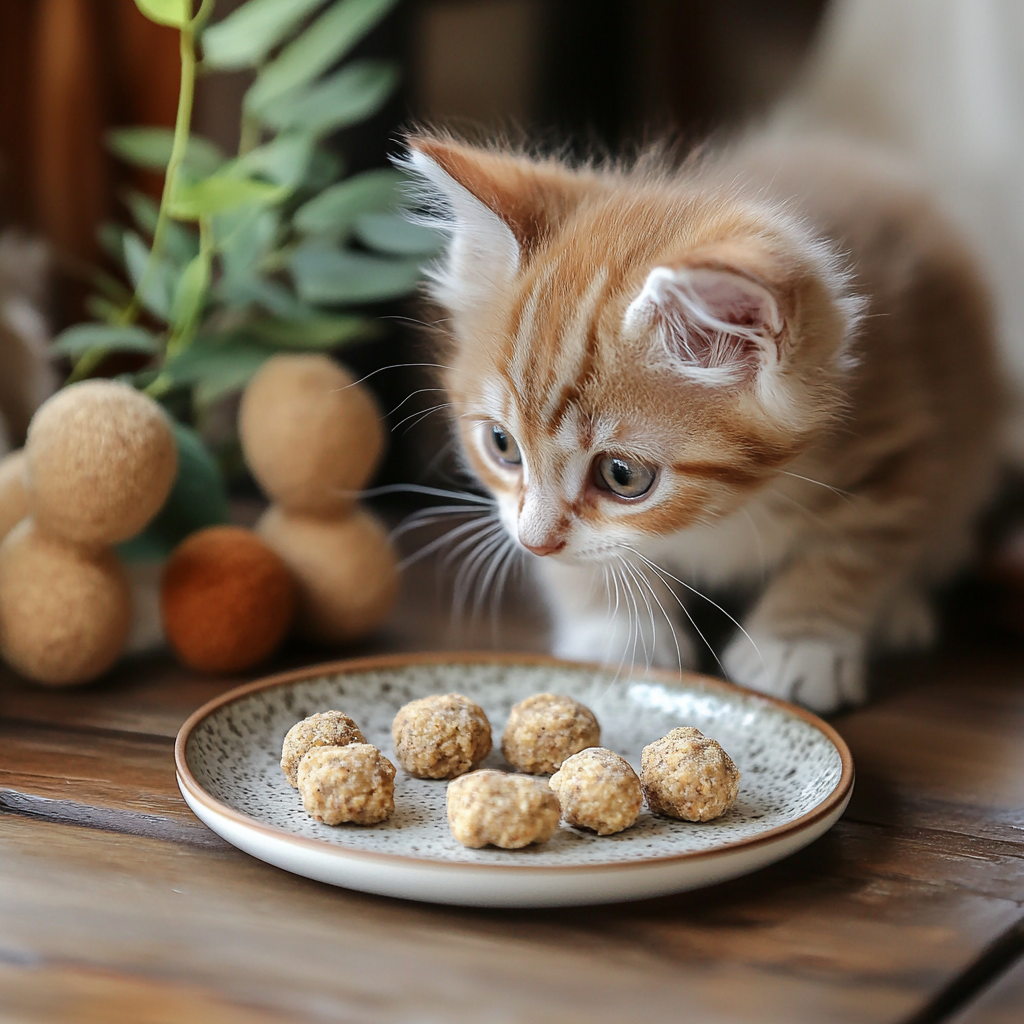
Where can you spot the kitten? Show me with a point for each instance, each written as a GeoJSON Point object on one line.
{"type": "Point", "coordinates": [770, 368]}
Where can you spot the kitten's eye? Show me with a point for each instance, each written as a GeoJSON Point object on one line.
{"type": "Point", "coordinates": [502, 445]}
{"type": "Point", "coordinates": [623, 477]}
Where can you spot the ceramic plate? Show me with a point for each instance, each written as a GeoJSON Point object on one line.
{"type": "Point", "coordinates": [797, 780]}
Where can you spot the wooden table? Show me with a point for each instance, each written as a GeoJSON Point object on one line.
{"type": "Point", "coordinates": [116, 904]}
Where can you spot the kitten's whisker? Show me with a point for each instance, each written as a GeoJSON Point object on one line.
{"type": "Point", "coordinates": [472, 567]}
{"type": "Point", "coordinates": [758, 542]}
{"type": "Point", "coordinates": [668, 620]}
{"type": "Point", "coordinates": [439, 542]}
{"type": "Point", "coordinates": [433, 492]}
{"type": "Point", "coordinates": [410, 396]}
{"type": "Point", "coordinates": [428, 517]}
{"type": "Point", "coordinates": [803, 508]}
{"type": "Point", "coordinates": [420, 414]}
{"type": "Point", "coordinates": [488, 576]}
{"type": "Point", "coordinates": [714, 604]}
{"type": "Point", "coordinates": [846, 495]}
{"type": "Point", "coordinates": [650, 611]}
{"type": "Point", "coordinates": [392, 366]}
{"type": "Point", "coordinates": [468, 542]}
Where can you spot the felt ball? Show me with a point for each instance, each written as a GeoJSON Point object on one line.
{"type": "Point", "coordinates": [311, 436]}
{"type": "Point", "coordinates": [13, 496]}
{"type": "Point", "coordinates": [101, 462]}
{"type": "Point", "coordinates": [65, 611]}
{"type": "Point", "coordinates": [345, 570]}
{"type": "Point", "coordinates": [226, 599]}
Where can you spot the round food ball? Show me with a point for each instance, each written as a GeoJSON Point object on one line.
{"type": "Point", "coordinates": [64, 611]}
{"type": "Point", "coordinates": [442, 736]}
{"type": "Point", "coordinates": [311, 436]}
{"type": "Point", "coordinates": [226, 600]}
{"type": "Point", "coordinates": [598, 790]}
{"type": "Point", "coordinates": [326, 729]}
{"type": "Point", "coordinates": [686, 775]}
{"type": "Point", "coordinates": [545, 729]}
{"type": "Point", "coordinates": [13, 494]}
{"type": "Point", "coordinates": [353, 783]}
{"type": "Point", "coordinates": [101, 462]}
{"type": "Point", "coordinates": [345, 571]}
{"type": "Point", "coordinates": [498, 809]}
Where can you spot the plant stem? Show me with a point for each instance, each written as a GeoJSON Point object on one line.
{"type": "Point", "coordinates": [182, 124]}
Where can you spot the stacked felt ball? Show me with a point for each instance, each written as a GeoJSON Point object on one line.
{"type": "Point", "coordinates": [98, 464]}
{"type": "Point", "coordinates": [312, 438]}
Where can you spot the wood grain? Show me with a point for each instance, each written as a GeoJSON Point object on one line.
{"type": "Point", "coordinates": [874, 922]}
{"type": "Point", "coordinates": [1001, 1003]}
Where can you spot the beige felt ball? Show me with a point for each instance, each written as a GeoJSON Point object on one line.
{"type": "Point", "coordinates": [64, 610]}
{"type": "Point", "coordinates": [311, 436]}
{"type": "Point", "coordinates": [101, 462]}
{"type": "Point", "coordinates": [13, 496]}
{"type": "Point", "coordinates": [345, 570]}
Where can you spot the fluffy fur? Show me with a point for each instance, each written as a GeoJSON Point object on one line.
{"type": "Point", "coordinates": [786, 335]}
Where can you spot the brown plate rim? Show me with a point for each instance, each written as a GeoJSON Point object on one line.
{"type": "Point", "coordinates": [377, 662]}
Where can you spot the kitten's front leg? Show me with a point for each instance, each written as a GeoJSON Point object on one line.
{"type": "Point", "coordinates": [807, 638]}
{"type": "Point", "coordinates": [609, 616]}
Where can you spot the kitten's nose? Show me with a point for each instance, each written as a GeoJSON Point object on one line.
{"type": "Point", "coordinates": [544, 549]}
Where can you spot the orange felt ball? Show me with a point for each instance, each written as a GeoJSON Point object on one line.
{"type": "Point", "coordinates": [226, 600]}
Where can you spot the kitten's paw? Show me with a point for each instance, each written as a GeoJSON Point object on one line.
{"type": "Point", "coordinates": [822, 674]}
{"type": "Point", "coordinates": [612, 643]}
{"type": "Point", "coordinates": [907, 623]}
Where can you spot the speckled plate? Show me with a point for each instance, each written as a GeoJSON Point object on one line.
{"type": "Point", "coordinates": [797, 780]}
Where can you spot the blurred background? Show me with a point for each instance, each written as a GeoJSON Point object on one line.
{"type": "Point", "coordinates": [941, 79]}
{"type": "Point", "coordinates": [591, 74]}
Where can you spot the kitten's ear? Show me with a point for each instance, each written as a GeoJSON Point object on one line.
{"type": "Point", "coordinates": [710, 319]}
{"type": "Point", "coordinates": [497, 208]}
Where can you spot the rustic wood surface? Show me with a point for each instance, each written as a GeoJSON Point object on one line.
{"type": "Point", "coordinates": [117, 904]}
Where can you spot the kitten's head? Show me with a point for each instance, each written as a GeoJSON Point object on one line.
{"type": "Point", "coordinates": [633, 352]}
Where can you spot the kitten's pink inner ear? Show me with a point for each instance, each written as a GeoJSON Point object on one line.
{"type": "Point", "coordinates": [708, 297]}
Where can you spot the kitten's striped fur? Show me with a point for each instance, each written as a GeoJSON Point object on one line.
{"type": "Point", "coordinates": [787, 334]}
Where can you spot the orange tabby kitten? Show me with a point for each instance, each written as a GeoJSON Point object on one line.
{"type": "Point", "coordinates": [769, 368]}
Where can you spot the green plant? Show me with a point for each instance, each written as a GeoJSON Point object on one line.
{"type": "Point", "coordinates": [249, 255]}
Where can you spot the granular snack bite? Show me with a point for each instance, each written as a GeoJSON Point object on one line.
{"type": "Point", "coordinates": [598, 790]}
{"type": "Point", "coordinates": [325, 729]}
{"type": "Point", "coordinates": [689, 776]}
{"type": "Point", "coordinates": [545, 729]}
{"type": "Point", "coordinates": [354, 783]}
{"type": "Point", "coordinates": [495, 808]}
{"type": "Point", "coordinates": [441, 737]}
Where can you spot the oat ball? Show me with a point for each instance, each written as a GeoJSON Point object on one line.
{"type": "Point", "coordinates": [598, 790]}
{"type": "Point", "coordinates": [441, 737]}
{"type": "Point", "coordinates": [510, 811]}
{"type": "Point", "coordinates": [686, 775]}
{"type": "Point", "coordinates": [354, 783]}
{"type": "Point", "coordinates": [545, 729]}
{"type": "Point", "coordinates": [326, 729]}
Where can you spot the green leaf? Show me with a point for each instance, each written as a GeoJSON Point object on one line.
{"type": "Point", "coordinates": [221, 193]}
{"type": "Point", "coordinates": [218, 366]}
{"type": "Point", "coordinates": [243, 237]}
{"type": "Point", "coordinates": [326, 275]}
{"type": "Point", "coordinates": [82, 338]}
{"type": "Point", "coordinates": [394, 234]}
{"type": "Point", "coordinates": [156, 296]}
{"type": "Point", "coordinates": [351, 95]}
{"type": "Point", "coordinates": [316, 332]}
{"type": "Point", "coordinates": [151, 148]}
{"type": "Point", "coordinates": [245, 37]}
{"type": "Point", "coordinates": [284, 160]}
{"type": "Point", "coordinates": [111, 239]}
{"type": "Point", "coordinates": [190, 293]}
{"type": "Point", "coordinates": [264, 292]}
{"type": "Point", "coordinates": [181, 244]}
{"type": "Point", "coordinates": [325, 168]}
{"type": "Point", "coordinates": [176, 13]}
{"type": "Point", "coordinates": [198, 499]}
{"type": "Point", "coordinates": [102, 309]}
{"type": "Point", "coordinates": [321, 46]}
{"type": "Point", "coordinates": [336, 209]}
